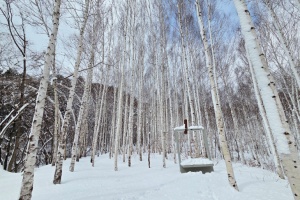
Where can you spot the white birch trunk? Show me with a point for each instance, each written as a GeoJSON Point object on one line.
{"type": "Point", "coordinates": [164, 139]}
{"type": "Point", "coordinates": [119, 115]}
{"type": "Point", "coordinates": [125, 128]}
{"type": "Point", "coordinates": [139, 121]}
{"type": "Point", "coordinates": [97, 124]}
{"type": "Point", "coordinates": [64, 128]}
{"type": "Point", "coordinates": [216, 102]}
{"type": "Point", "coordinates": [104, 123]}
{"type": "Point", "coordinates": [132, 64]}
{"type": "Point", "coordinates": [83, 131]}
{"type": "Point", "coordinates": [120, 100]}
{"type": "Point", "coordinates": [56, 122]}
{"type": "Point", "coordinates": [266, 123]}
{"type": "Point", "coordinates": [112, 134]}
{"type": "Point", "coordinates": [130, 119]}
{"type": "Point", "coordinates": [187, 79]}
{"type": "Point", "coordinates": [285, 142]}
{"type": "Point", "coordinates": [83, 106]}
{"type": "Point", "coordinates": [28, 174]}
{"type": "Point", "coordinates": [170, 97]}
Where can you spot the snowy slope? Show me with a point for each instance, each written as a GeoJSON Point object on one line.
{"type": "Point", "coordinates": [140, 182]}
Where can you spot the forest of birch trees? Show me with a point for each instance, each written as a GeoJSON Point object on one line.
{"type": "Point", "coordinates": [90, 77]}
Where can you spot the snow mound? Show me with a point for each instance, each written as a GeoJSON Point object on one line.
{"type": "Point", "coordinates": [196, 161]}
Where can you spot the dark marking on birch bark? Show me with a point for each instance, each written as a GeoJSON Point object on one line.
{"type": "Point", "coordinates": [185, 126]}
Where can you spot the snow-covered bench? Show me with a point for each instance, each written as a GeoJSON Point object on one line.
{"type": "Point", "coordinates": [194, 164]}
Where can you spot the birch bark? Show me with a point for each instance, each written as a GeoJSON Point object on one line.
{"type": "Point", "coordinates": [139, 121]}
{"type": "Point", "coordinates": [131, 63]}
{"type": "Point", "coordinates": [83, 106]}
{"type": "Point", "coordinates": [64, 128]}
{"type": "Point", "coordinates": [99, 106]}
{"type": "Point", "coordinates": [278, 123]}
{"type": "Point", "coordinates": [125, 128]}
{"type": "Point", "coordinates": [186, 76]}
{"type": "Point", "coordinates": [120, 96]}
{"type": "Point", "coordinates": [56, 116]}
{"type": "Point", "coordinates": [119, 115]}
{"type": "Point", "coordinates": [113, 131]}
{"type": "Point", "coordinates": [130, 120]}
{"type": "Point", "coordinates": [216, 101]}
{"type": "Point", "coordinates": [28, 174]}
{"type": "Point", "coordinates": [266, 125]}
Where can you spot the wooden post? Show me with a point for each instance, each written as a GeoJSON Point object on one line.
{"type": "Point", "coordinates": [185, 126]}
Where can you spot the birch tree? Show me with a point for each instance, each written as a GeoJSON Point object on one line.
{"type": "Point", "coordinates": [278, 123]}
{"type": "Point", "coordinates": [120, 93]}
{"type": "Point", "coordinates": [131, 62]}
{"type": "Point", "coordinates": [28, 174]}
{"type": "Point", "coordinates": [268, 130]}
{"type": "Point", "coordinates": [216, 100]}
{"type": "Point", "coordinates": [84, 100]}
{"type": "Point", "coordinates": [62, 142]}
{"type": "Point", "coordinates": [185, 69]}
{"type": "Point", "coordinates": [98, 117]}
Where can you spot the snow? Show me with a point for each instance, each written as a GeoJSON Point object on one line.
{"type": "Point", "coordinates": [140, 182]}
{"type": "Point", "coordinates": [196, 161]}
{"type": "Point", "coordinates": [182, 128]}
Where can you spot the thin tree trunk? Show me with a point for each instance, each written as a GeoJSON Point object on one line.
{"type": "Point", "coordinates": [139, 121]}
{"type": "Point", "coordinates": [125, 128]}
{"type": "Point", "coordinates": [131, 63]}
{"type": "Point", "coordinates": [189, 100]}
{"type": "Point", "coordinates": [97, 124]}
{"type": "Point", "coordinates": [113, 124]}
{"type": "Point", "coordinates": [56, 116]}
{"type": "Point", "coordinates": [119, 114]}
{"type": "Point", "coordinates": [28, 174]}
{"type": "Point", "coordinates": [64, 128]}
{"type": "Point", "coordinates": [120, 97]}
{"type": "Point", "coordinates": [216, 102]}
{"type": "Point", "coordinates": [164, 138]}
{"type": "Point", "coordinates": [130, 120]}
{"type": "Point", "coordinates": [149, 149]}
{"type": "Point", "coordinates": [83, 133]}
{"type": "Point", "coordinates": [83, 106]}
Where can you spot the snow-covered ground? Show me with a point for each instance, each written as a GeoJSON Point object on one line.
{"type": "Point", "coordinates": [140, 182]}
